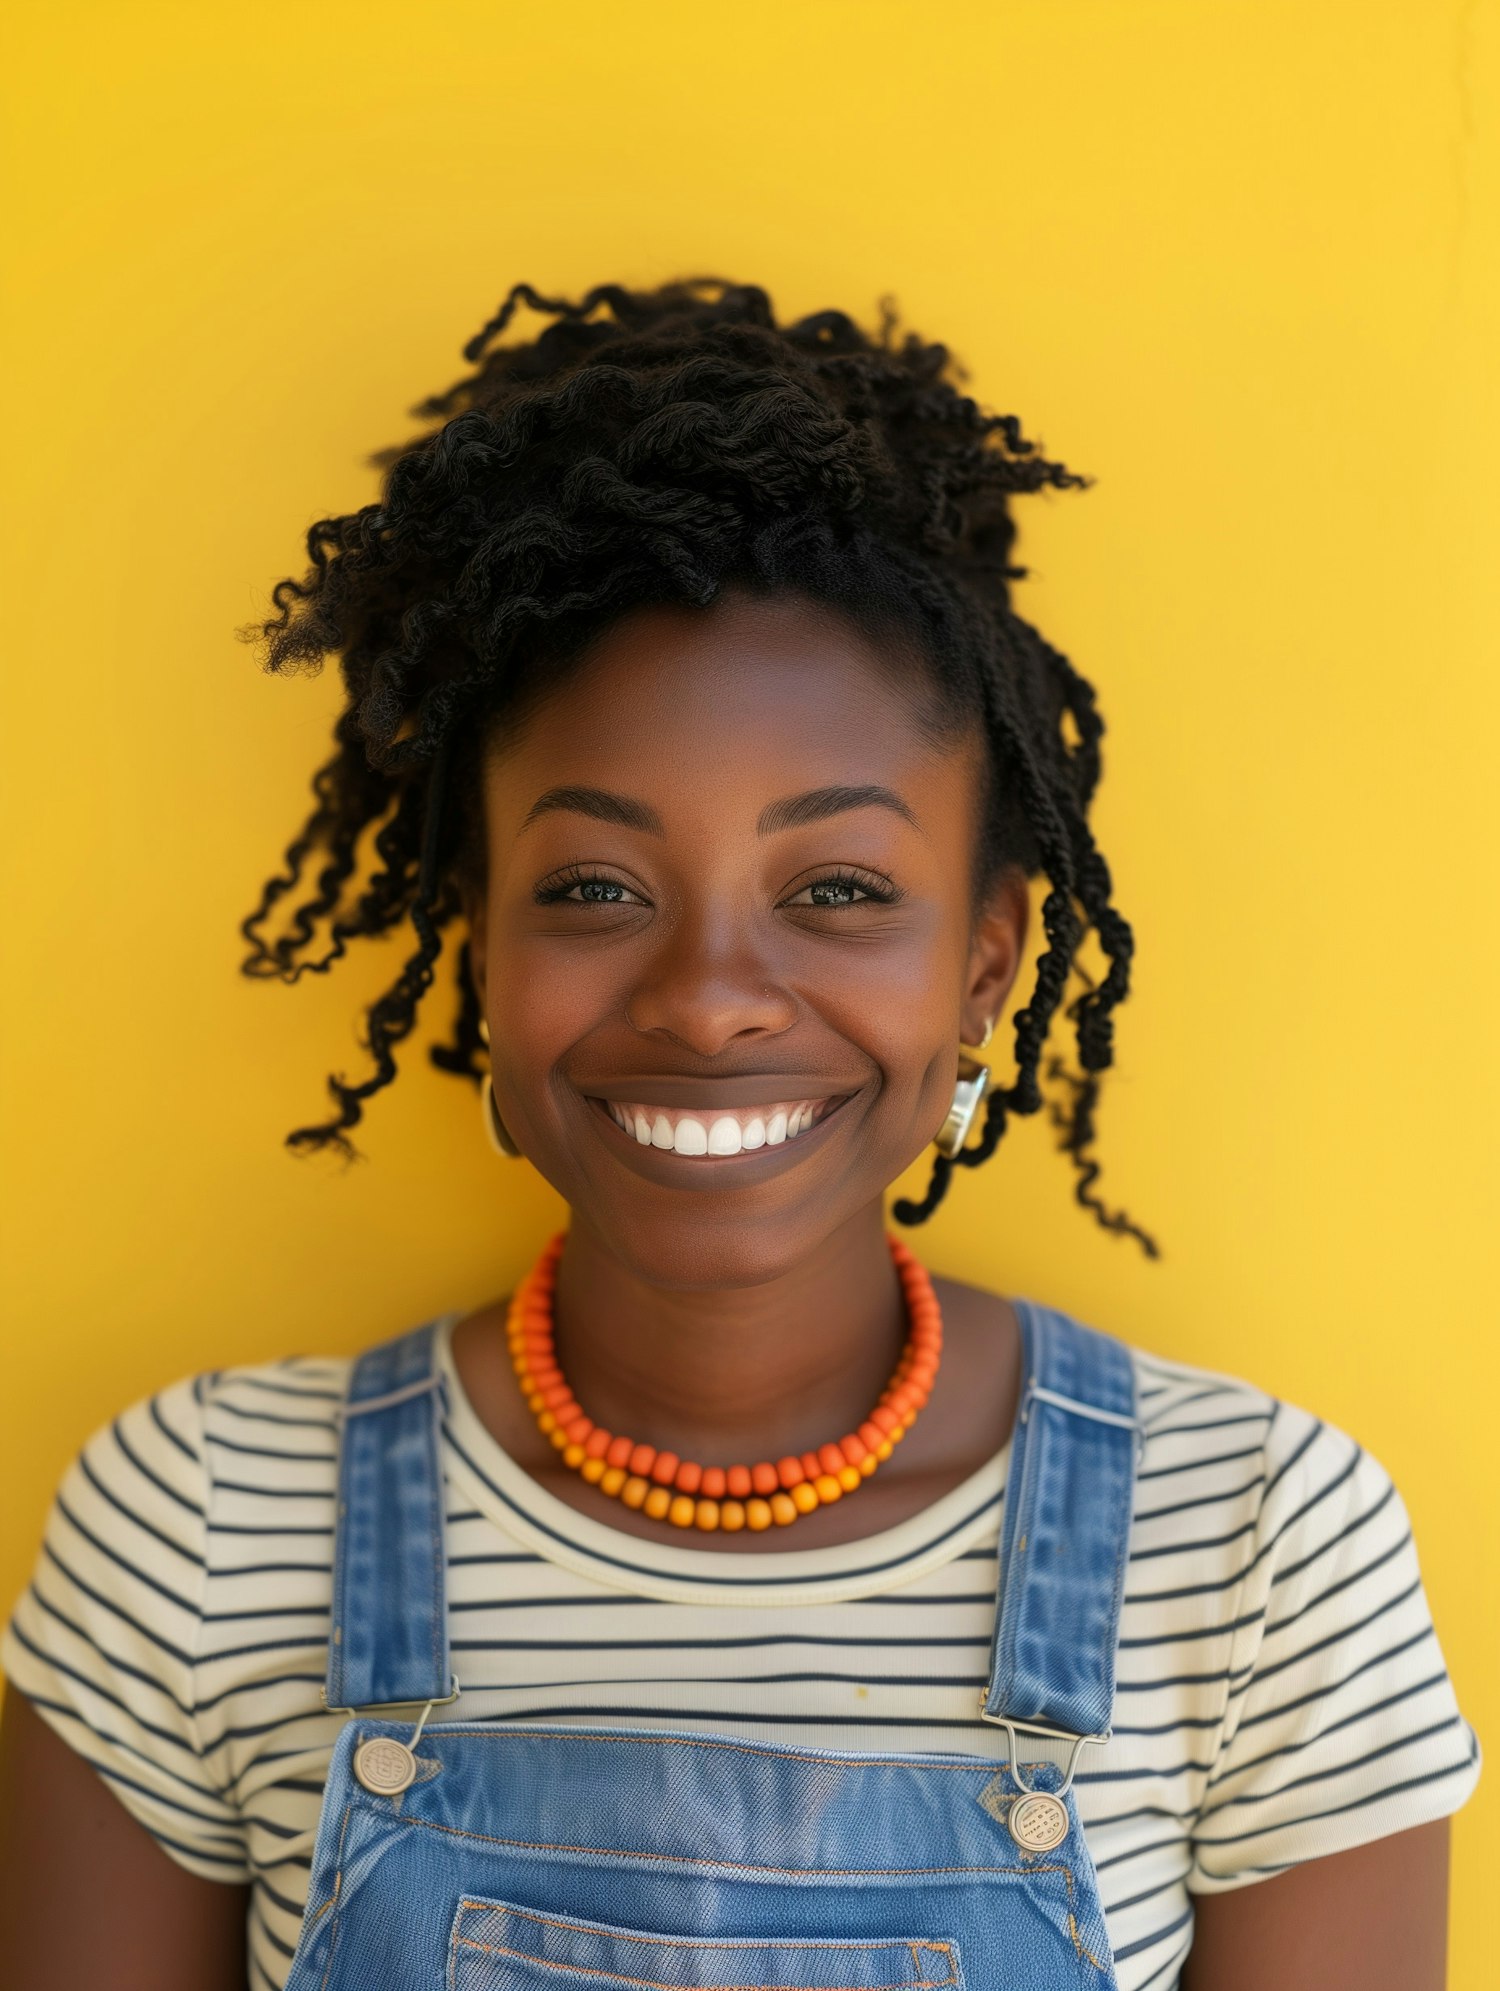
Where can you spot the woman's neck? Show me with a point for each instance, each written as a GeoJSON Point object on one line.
{"type": "Point", "coordinates": [738, 1374]}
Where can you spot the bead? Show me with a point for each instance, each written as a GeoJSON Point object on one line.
{"type": "Point", "coordinates": [684, 1493]}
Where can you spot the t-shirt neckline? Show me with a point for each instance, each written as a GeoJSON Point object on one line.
{"type": "Point", "coordinates": [523, 1509]}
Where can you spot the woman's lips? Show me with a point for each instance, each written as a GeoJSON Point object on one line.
{"type": "Point", "coordinates": [718, 1131]}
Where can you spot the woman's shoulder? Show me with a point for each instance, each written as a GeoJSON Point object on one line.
{"type": "Point", "coordinates": [174, 1456]}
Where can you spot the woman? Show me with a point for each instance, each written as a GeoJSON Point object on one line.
{"type": "Point", "coordinates": [811, 1622]}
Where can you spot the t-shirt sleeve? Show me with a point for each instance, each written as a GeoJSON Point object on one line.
{"type": "Point", "coordinates": [1341, 1724]}
{"type": "Point", "coordinates": [104, 1640]}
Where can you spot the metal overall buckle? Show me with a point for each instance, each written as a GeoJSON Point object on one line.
{"type": "Point", "coordinates": [383, 1765]}
{"type": "Point", "coordinates": [1038, 1820]}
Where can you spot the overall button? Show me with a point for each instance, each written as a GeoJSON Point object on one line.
{"type": "Point", "coordinates": [386, 1767]}
{"type": "Point", "coordinates": [1038, 1821]}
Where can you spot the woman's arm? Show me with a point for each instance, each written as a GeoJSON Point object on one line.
{"type": "Point", "coordinates": [86, 1894]}
{"type": "Point", "coordinates": [1376, 1917]}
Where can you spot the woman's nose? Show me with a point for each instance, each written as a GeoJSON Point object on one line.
{"type": "Point", "coordinates": [707, 985]}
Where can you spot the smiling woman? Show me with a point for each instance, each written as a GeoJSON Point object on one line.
{"type": "Point", "coordinates": [684, 684]}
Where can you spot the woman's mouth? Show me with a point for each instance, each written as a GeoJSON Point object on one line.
{"type": "Point", "coordinates": [715, 1131]}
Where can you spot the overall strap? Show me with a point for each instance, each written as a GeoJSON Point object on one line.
{"type": "Point", "coordinates": [389, 1643]}
{"type": "Point", "coordinates": [1066, 1531]}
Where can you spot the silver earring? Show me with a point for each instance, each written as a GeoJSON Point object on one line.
{"type": "Point", "coordinates": [972, 1084]}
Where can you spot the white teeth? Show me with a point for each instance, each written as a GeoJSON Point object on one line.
{"type": "Point", "coordinates": [690, 1138]}
{"type": "Point", "coordinates": [704, 1132]}
{"type": "Point", "coordinates": [724, 1136]}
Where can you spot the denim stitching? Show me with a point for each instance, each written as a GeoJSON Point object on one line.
{"type": "Point", "coordinates": [657, 1984]}
{"type": "Point", "coordinates": [731, 1866]}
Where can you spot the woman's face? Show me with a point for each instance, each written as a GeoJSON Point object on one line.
{"type": "Point", "coordinates": [728, 947]}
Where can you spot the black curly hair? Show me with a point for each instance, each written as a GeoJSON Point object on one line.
{"type": "Point", "coordinates": [662, 446]}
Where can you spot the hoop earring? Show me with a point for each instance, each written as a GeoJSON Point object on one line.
{"type": "Point", "coordinates": [496, 1132]}
{"type": "Point", "coordinates": [969, 1090]}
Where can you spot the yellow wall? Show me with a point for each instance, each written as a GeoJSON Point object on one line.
{"type": "Point", "coordinates": [1238, 260]}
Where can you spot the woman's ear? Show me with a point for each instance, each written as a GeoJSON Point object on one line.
{"type": "Point", "coordinates": [995, 955]}
{"type": "Point", "coordinates": [476, 918]}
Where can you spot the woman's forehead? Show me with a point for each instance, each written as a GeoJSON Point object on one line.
{"type": "Point", "coordinates": [778, 690]}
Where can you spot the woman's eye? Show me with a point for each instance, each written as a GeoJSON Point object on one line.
{"type": "Point", "coordinates": [583, 890]}
{"type": "Point", "coordinates": [841, 891]}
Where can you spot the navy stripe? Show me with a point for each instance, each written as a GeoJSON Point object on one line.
{"type": "Point", "coordinates": [192, 1506]}
{"type": "Point", "coordinates": [1360, 1520]}
{"type": "Point", "coordinates": [1328, 1728]}
{"type": "Point", "coordinates": [1339, 1769]}
{"type": "Point", "coordinates": [155, 1410]}
{"type": "Point", "coordinates": [1184, 1921]}
{"type": "Point", "coordinates": [135, 1519]}
{"type": "Point", "coordinates": [855, 1575]}
{"type": "Point", "coordinates": [1354, 1804]}
{"type": "Point", "coordinates": [273, 1417]}
{"type": "Point", "coordinates": [115, 1611]}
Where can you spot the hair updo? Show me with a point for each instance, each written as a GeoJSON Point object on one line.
{"type": "Point", "coordinates": [660, 446]}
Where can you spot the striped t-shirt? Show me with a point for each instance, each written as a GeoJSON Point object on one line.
{"type": "Point", "coordinates": [1281, 1691]}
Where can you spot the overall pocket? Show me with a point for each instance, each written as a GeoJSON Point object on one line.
{"type": "Point", "coordinates": [495, 1945]}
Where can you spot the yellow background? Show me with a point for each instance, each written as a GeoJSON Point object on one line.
{"type": "Point", "coordinates": [1239, 261]}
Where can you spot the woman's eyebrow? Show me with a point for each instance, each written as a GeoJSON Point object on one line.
{"type": "Point", "coordinates": [792, 811]}
{"type": "Point", "coordinates": [601, 803]}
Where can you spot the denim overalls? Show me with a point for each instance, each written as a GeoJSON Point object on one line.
{"type": "Point", "coordinates": [467, 1856]}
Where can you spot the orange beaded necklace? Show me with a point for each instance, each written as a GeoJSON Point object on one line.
{"type": "Point", "coordinates": [688, 1495]}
